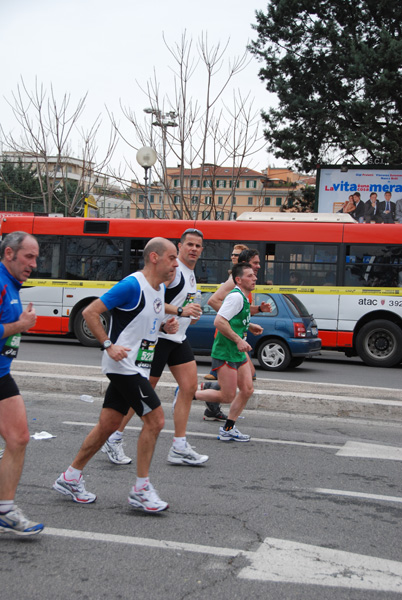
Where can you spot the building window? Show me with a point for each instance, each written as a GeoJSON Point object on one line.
{"type": "Point", "coordinates": [279, 202]}
{"type": "Point", "coordinates": [151, 198]}
{"type": "Point", "coordinates": [234, 201]}
{"type": "Point", "coordinates": [176, 214]}
{"type": "Point", "coordinates": [232, 216]}
{"type": "Point", "coordinates": [176, 199]}
{"type": "Point", "coordinates": [206, 214]}
{"type": "Point", "coordinates": [195, 183]}
{"type": "Point", "coordinates": [250, 201]}
{"type": "Point", "coordinates": [208, 200]}
{"type": "Point", "coordinates": [176, 182]}
{"type": "Point", "coordinates": [194, 199]}
{"type": "Point", "coordinates": [267, 201]}
{"type": "Point", "coordinates": [251, 183]}
{"type": "Point", "coordinates": [221, 183]}
{"type": "Point", "coordinates": [220, 199]}
{"type": "Point", "coordinates": [207, 183]}
{"type": "Point", "coordinates": [219, 215]}
{"type": "Point", "coordinates": [193, 214]}
{"type": "Point", "coordinates": [140, 213]}
{"type": "Point", "coordinates": [141, 199]}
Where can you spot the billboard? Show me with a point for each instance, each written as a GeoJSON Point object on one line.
{"type": "Point", "coordinates": [335, 183]}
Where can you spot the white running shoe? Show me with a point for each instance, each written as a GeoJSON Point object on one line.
{"type": "Point", "coordinates": [75, 489]}
{"type": "Point", "coordinates": [115, 452]}
{"type": "Point", "coordinates": [147, 499]}
{"type": "Point", "coordinates": [188, 456]}
{"type": "Point", "coordinates": [233, 435]}
{"type": "Point", "coordinates": [15, 522]}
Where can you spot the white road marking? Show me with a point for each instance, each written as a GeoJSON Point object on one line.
{"type": "Point", "coordinates": [359, 495]}
{"type": "Point", "coordinates": [279, 561]}
{"type": "Point", "coordinates": [365, 450]}
{"type": "Point", "coordinates": [292, 562]}
{"type": "Point", "coordinates": [149, 543]}
{"type": "Point", "coordinates": [349, 449]}
{"type": "Point", "coordinates": [214, 435]}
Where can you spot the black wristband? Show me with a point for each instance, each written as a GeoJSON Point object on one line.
{"type": "Point", "coordinates": [259, 308]}
{"type": "Point", "coordinates": [162, 329]}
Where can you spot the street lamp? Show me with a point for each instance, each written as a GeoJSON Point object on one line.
{"type": "Point", "coordinates": [163, 120]}
{"type": "Point", "coordinates": [146, 157]}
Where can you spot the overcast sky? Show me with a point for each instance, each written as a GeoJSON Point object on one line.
{"type": "Point", "coordinates": [105, 46]}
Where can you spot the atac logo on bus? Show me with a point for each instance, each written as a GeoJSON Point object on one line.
{"type": "Point", "coordinates": [368, 302]}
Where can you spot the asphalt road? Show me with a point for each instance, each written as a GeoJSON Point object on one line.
{"type": "Point", "coordinates": [309, 509]}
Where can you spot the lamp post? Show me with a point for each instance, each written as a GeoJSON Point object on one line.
{"type": "Point", "coordinates": [163, 120]}
{"type": "Point", "coordinates": [146, 157]}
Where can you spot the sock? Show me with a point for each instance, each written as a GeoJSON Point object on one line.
{"type": "Point", "coordinates": [6, 506]}
{"type": "Point", "coordinates": [72, 474]}
{"type": "Point", "coordinates": [141, 483]}
{"type": "Point", "coordinates": [116, 437]}
{"type": "Point", "coordinates": [179, 443]}
{"type": "Point", "coordinates": [229, 425]}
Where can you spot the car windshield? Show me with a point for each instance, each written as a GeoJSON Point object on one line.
{"type": "Point", "coordinates": [296, 306]}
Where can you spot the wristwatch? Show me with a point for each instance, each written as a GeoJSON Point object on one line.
{"type": "Point", "coordinates": [179, 311]}
{"type": "Point", "coordinates": [106, 344]}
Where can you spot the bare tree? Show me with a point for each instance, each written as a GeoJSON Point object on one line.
{"type": "Point", "coordinates": [47, 127]}
{"type": "Point", "coordinates": [195, 131]}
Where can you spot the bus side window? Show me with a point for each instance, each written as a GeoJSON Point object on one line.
{"type": "Point", "coordinates": [269, 275]}
{"type": "Point", "coordinates": [48, 263]}
{"type": "Point", "coordinates": [136, 254]}
{"type": "Point", "coordinates": [310, 262]}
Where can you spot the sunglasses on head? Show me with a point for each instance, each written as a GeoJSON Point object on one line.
{"type": "Point", "coordinates": [196, 231]}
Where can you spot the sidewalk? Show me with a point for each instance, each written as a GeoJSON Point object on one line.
{"type": "Point", "coordinates": [335, 400]}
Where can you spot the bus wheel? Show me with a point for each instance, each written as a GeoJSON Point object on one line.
{"type": "Point", "coordinates": [274, 355]}
{"type": "Point", "coordinates": [379, 344]}
{"type": "Point", "coordinates": [82, 332]}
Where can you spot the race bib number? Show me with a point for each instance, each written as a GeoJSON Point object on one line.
{"type": "Point", "coordinates": [189, 299]}
{"type": "Point", "coordinates": [11, 346]}
{"type": "Point", "coordinates": [145, 354]}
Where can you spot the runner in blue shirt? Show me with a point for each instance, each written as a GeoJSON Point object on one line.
{"type": "Point", "coordinates": [18, 254]}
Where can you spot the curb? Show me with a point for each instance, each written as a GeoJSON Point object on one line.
{"type": "Point", "coordinates": [330, 400]}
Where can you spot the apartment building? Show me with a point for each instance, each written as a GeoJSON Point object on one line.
{"type": "Point", "coordinates": [220, 193]}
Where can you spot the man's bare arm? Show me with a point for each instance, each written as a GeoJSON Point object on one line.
{"type": "Point", "coordinates": [218, 297]}
{"type": "Point", "coordinates": [91, 315]}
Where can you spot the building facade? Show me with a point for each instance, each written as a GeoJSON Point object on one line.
{"type": "Point", "coordinates": [219, 193]}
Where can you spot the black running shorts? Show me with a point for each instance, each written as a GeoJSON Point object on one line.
{"type": "Point", "coordinates": [171, 354]}
{"type": "Point", "coordinates": [8, 387]}
{"type": "Point", "coordinates": [130, 390]}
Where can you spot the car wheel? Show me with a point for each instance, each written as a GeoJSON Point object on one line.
{"type": "Point", "coordinates": [296, 362]}
{"type": "Point", "coordinates": [379, 344]}
{"type": "Point", "coordinates": [274, 355]}
{"type": "Point", "coordinates": [82, 331]}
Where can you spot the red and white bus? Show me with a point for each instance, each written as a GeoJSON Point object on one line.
{"type": "Point", "coordinates": [350, 275]}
